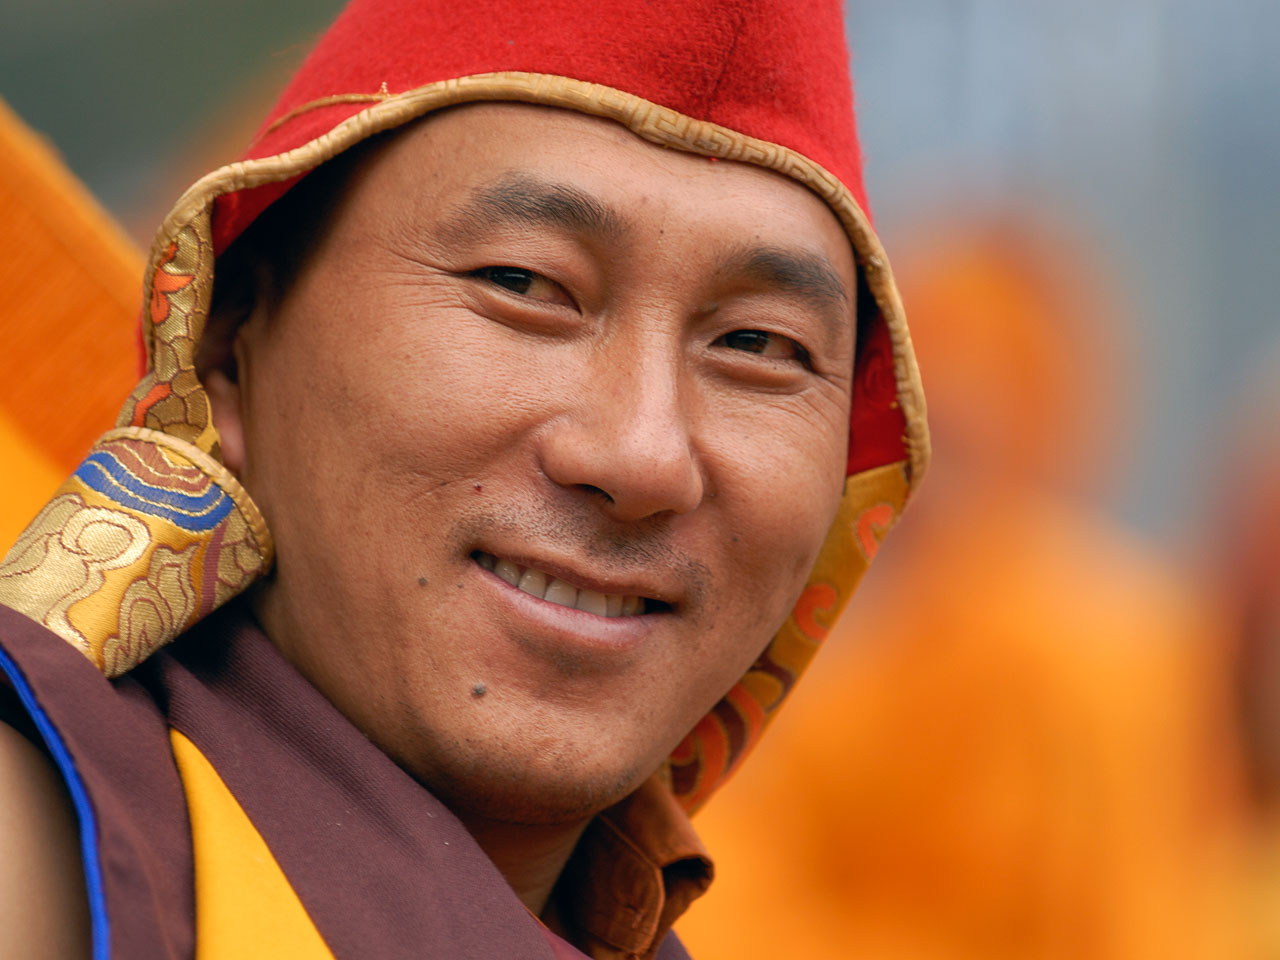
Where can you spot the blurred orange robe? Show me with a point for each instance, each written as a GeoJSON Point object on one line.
{"type": "Point", "coordinates": [1012, 754]}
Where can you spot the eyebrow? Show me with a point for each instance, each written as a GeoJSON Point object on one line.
{"type": "Point", "coordinates": [808, 275]}
{"type": "Point", "coordinates": [525, 200]}
{"type": "Point", "coordinates": [800, 273]}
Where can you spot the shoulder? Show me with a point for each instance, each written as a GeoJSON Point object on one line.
{"type": "Point", "coordinates": [43, 906]}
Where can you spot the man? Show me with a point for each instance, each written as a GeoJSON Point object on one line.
{"type": "Point", "coordinates": [514, 435]}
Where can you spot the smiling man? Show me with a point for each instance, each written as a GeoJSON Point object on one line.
{"type": "Point", "coordinates": [493, 497]}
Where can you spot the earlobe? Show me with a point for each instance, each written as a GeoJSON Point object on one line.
{"type": "Point", "coordinates": [226, 404]}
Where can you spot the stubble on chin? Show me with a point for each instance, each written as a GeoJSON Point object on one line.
{"type": "Point", "coordinates": [526, 780]}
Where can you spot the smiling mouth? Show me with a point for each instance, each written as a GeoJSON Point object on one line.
{"type": "Point", "coordinates": [552, 589]}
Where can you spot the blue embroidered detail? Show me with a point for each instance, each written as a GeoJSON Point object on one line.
{"type": "Point", "coordinates": [102, 472]}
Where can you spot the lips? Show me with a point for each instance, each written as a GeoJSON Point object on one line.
{"type": "Point", "coordinates": [552, 589]}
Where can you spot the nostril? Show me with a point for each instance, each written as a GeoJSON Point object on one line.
{"type": "Point", "coordinates": [595, 491]}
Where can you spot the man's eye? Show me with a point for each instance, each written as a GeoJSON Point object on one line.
{"type": "Point", "coordinates": [526, 283]}
{"type": "Point", "coordinates": [772, 346]}
{"type": "Point", "coordinates": [513, 278]}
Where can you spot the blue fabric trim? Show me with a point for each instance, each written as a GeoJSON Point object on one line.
{"type": "Point", "coordinates": [98, 920]}
{"type": "Point", "coordinates": [104, 473]}
{"type": "Point", "coordinates": [193, 503]}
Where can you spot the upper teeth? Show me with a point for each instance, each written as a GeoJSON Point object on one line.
{"type": "Point", "coordinates": [553, 590]}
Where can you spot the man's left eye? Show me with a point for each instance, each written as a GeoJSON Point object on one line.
{"type": "Point", "coordinates": [772, 346]}
{"type": "Point", "coordinates": [526, 283]}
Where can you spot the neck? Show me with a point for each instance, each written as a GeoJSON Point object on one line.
{"type": "Point", "coordinates": [530, 857]}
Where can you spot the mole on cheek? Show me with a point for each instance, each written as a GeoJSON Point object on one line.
{"type": "Point", "coordinates": [478, 690]}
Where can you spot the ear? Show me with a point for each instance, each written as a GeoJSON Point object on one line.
{"type": "Point", "coordinates": [241, 295]}
{"type": "Point", "coordinates": [224, 385]}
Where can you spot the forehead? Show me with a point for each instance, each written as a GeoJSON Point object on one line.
{"type": "Point", "coordinates": [590, 174]}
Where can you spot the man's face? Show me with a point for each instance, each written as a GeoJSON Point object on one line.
{"type": "Point", "coordinates": [549, 431]}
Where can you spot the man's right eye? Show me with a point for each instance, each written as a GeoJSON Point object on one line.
{"type": "Point", "coordinates": [515, 279]}
{"type": "Point", "coordinates": [526, 283]}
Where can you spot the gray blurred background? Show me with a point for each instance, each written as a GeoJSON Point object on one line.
{"type": "Point", "coordinates": [1149, 125]}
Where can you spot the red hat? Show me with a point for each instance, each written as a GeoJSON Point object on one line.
{"type": "Point", "coordinates": [774, 70]}
{"type": "Point", "coordinates": [763, 82]}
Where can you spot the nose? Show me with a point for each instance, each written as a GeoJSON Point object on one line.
{"type": "Point", "coordinates": [627, 436]}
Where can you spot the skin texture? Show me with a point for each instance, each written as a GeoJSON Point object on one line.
{"type": "Point", "coordinates": [604, 413]}
{"type": "Point", "coordinates": [43, 910]}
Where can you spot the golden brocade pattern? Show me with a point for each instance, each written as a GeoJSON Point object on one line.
{"type": "Point", "coordinates": [138, 544]}
{"type": "Point", "coordinates": [170, 397]}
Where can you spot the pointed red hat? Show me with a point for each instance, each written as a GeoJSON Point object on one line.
{"type": "Point", "coordinates": [775, 70]}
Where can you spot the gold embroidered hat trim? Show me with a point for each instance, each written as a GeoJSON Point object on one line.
{"type": "Point", "coordinates": [646, 119]}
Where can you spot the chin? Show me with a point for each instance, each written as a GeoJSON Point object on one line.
{"type": "Point", "coordinates": [542, 789]}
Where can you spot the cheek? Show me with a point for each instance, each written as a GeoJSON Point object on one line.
{"type": "Point", "coordinates": [423, 392]}
{"type": "Point", "coordinates": [780, 472]}
{"type": "Point", "coordinates": [778, 487]}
